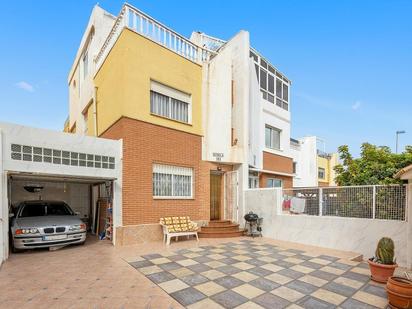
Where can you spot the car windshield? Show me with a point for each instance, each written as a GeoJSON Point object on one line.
{"type": "Point", "coordinates": [45, 209]}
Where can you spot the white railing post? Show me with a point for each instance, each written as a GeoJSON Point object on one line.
{"type": "Point", "coordinates": [320, 202]}
{"type": "Point", "coordinates": [374, 202]}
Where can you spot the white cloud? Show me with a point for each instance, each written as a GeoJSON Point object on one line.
{"type": "Point", "coordinates": [25, 86]}
{"type": "Point", "coordinates": [356, 105]}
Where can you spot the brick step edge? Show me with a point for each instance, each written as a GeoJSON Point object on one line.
{"type": "Point", "coordinates": [222, 228]}
{"type": "Point", "coordinates": [221, 234]}
{"type": "Point", "coordinates": [219, 222]}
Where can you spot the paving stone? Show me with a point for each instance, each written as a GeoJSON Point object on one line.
{"type": "Point", "coordinates": [302, 287]}
{"type": "Point", "coordinates": [264, 284]}
{"type": "Point", "coordinates": [290, 273]}
{"type": "Point", "coordinates": [284, 264]}
{"type": "Point", "coordinates": [228, 270]}
{"type": "Point", "coordinates": [340, 266]}
{"type": "Point", "coordinates": [270, 301]}
{"type": "Point", "coordinates": [356, 276]}
{"type": "Point", "coordinates": [202, 259]}
{"type": "Point", "coordinates": [229, 282]}
{"type": "Point", "coordinates": [255, 262]}
{"type": "Point", "coordinates": [312, 265]}
{"type": "Point", "coordinates": [355, 304]}
{"type": "Point", "coordinates": [169, 266]}
{"type": "Point", "coordinates": [140, 264]}
{"type": "Point", "coordinates": [323, 275]}
{"type": "Point", "coordinates": [161, 277]}
{"type": "Point", "coordinates": [328, 258]}
{"type": "Point", "coordinates": [199, 268]}
{"type": "Point", "coordinates": [194, 279]}
{"type": "Point", "coordinates": [152, 256]}
{"type": "Point", "coordinates": [310, 302]}
{"type": "Point", "coordinates": [375, 290]}
{"type": "Point", "coordinates": [228, 261]}
{"type": "Point", "coordinates": [188, 296]}
{"type": "Point", "coordinates": [261, 272]}
{"type": "Point", "coordinates": [177, 257]}
{"type": "Point", "coordinates": [229, 299]}
{"type": "Point", "coordinates": [339, 289]}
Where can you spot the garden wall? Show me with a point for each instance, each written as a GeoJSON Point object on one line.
{"type": "Point", "coordinates": [350, 234]}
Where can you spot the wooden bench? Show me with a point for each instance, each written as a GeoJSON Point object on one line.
{"type": "Point", "coordinates": [178, 226]}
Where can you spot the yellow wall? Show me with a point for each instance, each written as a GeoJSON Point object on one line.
{"type": "Point", "coordinates": [123, 82]}
{"type": "Point", "coordinates": [328, 165]}
{"type": "Point", "coordinates": [324, 163]}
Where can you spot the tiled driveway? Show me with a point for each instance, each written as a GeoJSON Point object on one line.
{"type": "Point", "coordinates": [252, 274]}
{"type": "Point", "coordinates": [99, 276]}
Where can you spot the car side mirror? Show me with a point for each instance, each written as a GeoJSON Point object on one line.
{"type": "Point", "coordinates": [77, 213]}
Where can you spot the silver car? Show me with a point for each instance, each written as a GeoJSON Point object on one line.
{"type": "Point", "coordinates": [40, 224]}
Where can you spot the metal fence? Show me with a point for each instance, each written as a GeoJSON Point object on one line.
{"type": "Point", "coordinates": [371, 202]}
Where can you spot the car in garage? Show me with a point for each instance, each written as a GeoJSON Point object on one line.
{"type": "Point", "coordinates": [42, 224]}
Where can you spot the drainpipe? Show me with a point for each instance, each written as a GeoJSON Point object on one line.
{"type": "Point", "coordinates": [95, 110]}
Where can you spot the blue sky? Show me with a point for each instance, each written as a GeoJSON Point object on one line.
{"type": "Point", "coordinates": [350, 61]}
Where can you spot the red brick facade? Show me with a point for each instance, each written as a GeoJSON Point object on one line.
{"type": "Point", "coordinates": [145, 144]}
{"type": "Point", "coordinates": [276, 163]}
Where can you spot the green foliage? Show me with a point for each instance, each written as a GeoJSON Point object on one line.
{"type": "Point", "coordinates": [385, 251]}
{"type": "Point", "coordinates": [377, 165]}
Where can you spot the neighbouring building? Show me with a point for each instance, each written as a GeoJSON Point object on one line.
{"type": "Point", "coordinates": [313, 166]}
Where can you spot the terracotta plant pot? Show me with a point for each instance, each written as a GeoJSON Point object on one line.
{"type": "Point", "coordinates": [399, 293]}
{"type": "Point", "coordinates": [381, 272]}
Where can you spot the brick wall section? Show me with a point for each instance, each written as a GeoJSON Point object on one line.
{"type": "Point", "coordinates": [276, 163]}
{"type": "Point", "coordinates": [287, 181]}
{"type": "Point", "coordinates": [145, 144]}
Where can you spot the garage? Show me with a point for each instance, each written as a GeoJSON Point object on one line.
{"type": "Point", "coordinates": [48, 168]}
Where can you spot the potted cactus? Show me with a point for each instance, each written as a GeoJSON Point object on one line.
{"type": "Point", "coordinates": [383, 264]}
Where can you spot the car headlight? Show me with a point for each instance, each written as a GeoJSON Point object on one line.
{"type": "Point", "coordinates": [77, 227]}
{"type": "Point", "coordinates": [26, 231]}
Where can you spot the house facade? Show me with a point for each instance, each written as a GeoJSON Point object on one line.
{"type": "Point", "coordinates": [313, 166]}
{"type": "Point", "coordinates": [201, 119]}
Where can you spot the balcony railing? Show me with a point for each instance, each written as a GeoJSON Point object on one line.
{"type": "Point", "coordinates": [147, 26]}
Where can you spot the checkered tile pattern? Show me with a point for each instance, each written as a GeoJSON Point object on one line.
{"type": "Point", "coordinates": [249, 274]}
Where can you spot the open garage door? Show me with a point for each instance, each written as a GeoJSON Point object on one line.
{"type": "Point", "coordinates": [89, 198]}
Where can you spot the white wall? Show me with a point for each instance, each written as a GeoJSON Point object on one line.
{"type": "Point", "coordinates": [101, 22]}
{"type": "Point", "coordinates": [307, 166]}
{"type": "Point", "coordinates": [231, 63]}
{"type": "Point", "coordinates": [349, 234]}
{"type": "Point", "coordinates": [76, 195]}
{"type": "Point", "coordinates": [17, 134]}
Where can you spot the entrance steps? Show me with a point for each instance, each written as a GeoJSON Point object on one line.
{"type": "Point", "coordinates": [221, 229]}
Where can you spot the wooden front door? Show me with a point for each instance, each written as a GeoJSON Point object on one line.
{"type": "Point", "coordinates": [215, 196]}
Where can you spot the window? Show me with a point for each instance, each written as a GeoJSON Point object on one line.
{"type": "Point", "coordinates": [273, 85]}
{"type": "Point", "coordinates": [321, 173]}
{"type": "Point", "coordinates": [170, 103]}
{"type": "Point", "coordinates": [295, 165]}
{"type": "Point", "coordinates": [272, 137]}
{"type": "Point", "coordinates": [85, 64]}
{"type": "Point", "coordinates": [172, 181]}
{"type": "Point", "coordinates": [274, 183]}
{"type": "Point", "coordinates": [253, 182]}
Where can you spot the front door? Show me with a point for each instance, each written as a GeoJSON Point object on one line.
{"type": "Point", "coordinates": [215, 196]}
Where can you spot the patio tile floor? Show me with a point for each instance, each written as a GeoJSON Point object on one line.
{"type": "Point", "coordinates": [249, 274]}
